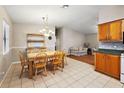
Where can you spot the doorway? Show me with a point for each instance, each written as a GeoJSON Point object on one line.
{"type": "Point", "coordinates": [58, 34]}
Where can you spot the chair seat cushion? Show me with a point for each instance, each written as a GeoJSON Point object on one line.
{"type": "Point", "coordinates": [56, 62]}
{"type": "Point", "coordinates": [39, 65]}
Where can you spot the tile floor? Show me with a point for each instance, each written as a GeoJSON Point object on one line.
{"type": "Point", "coordinates": [75, 75]}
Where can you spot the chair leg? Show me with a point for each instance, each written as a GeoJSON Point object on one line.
{"type": "Point", "coordinates": [21, 72]}
{"type": "Point", "coordinates": [54, 69]}
{"type": "Point", "coordinates": [61, 67]}
{"type": "Point", "coordinates": [45, 71]}
{"type": "Point", "coordinates": [35, 74]}
{"type": "Point", "coordinates": [28, 68]}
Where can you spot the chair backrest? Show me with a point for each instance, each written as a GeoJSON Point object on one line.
{"type": "Point", "coordinates": [22, 58]}
{"type": "Point", "coordinates": [62, 55]}
{"type": "Point", "coordinates": [40, 58]}
{"type": "Point", "coordinates": [59, 55]}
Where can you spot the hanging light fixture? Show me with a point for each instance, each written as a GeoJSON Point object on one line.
{"type": "Point", "coordinates": [46, 30]}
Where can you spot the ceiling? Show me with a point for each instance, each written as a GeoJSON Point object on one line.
{"type": "Point", "coordinates": [82, 18]}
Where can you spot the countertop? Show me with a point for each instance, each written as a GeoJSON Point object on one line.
{"type": "Point", "coordinates": [110, 51]}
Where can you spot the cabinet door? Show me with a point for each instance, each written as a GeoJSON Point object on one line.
{"type": "Point", "coordinates": [115, 32]}
{"type": "Point", "coordinates": [103, 31]}
{"type": "Point", "coordinates": [108, 65]}
{"type": "Point", "coordinates": [100, 62]}
{"type": "Point", "coordinates": [114, 63]}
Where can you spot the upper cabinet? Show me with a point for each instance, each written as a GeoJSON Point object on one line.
{"type": "Point", "coordinates": [111, 31]}
{"type": "Point", "coordinates": [103, 31]}
{"type": "Point", "coordinates": [115, 31]}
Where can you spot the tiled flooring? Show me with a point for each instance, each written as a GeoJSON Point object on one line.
{"type": "Point", "coordinates": [75, 75]}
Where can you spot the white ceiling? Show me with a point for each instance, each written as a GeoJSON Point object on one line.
{"type": "Point", "coordinates": [77, 17]}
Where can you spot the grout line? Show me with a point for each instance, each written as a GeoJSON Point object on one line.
{"type": "Point", "coordinates": [5, 75]}
{"type": "Point", "coordinates": [33, 84]}
{"type": "Point", "coordinates": [44, 82]}
{"type": "Point", "coordinates": [91, 81]}
{"type": "Point", "coordinates": [122, 85]}
{"type": "Point", "coordinates": [107, 82]}
{"type": "Point", "coordinates": [11, 77]}
{"type": "Point", "coordinates": [79, 79]}
{"type": "Point", "coordinates": [21, 82]}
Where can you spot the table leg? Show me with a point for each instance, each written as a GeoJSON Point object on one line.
{"type": "Point", "coordinates": [62, 63]}
{"type": "Point", "coordinates": [30, 70]}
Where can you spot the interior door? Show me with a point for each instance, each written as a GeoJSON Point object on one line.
{"type": "Point", "coordinates": [103, 31]}
{"type": "Point", "coordinates": [115, 32]}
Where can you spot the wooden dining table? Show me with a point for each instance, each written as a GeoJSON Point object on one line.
{"type": "Point", "coordinates": [31, 57]}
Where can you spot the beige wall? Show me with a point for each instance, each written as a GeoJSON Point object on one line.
{"type": "Point", "coordinates": [21, 30]}
{"type": "Point", "coordinates": [20, 42]}
{"type": "Point", "coordinates": [92, 40]}
{"type": "Point", "coordinates": [5, 60]}
{"type": "Point", "coordinates": [71, 38]}
{"type": "Point", "coordinates": [110, 13]}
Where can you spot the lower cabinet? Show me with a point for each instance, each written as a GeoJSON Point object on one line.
{"type": "Point", "coordinates": [100, 62]}
{"type": "Point", "coordinates": [108, 64]}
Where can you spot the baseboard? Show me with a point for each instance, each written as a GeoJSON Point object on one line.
{"type": "Point", "coordinates": [16, 62]}
{"type": "Point", "coordinates": [5, 74]}
{"type": "Point", "coordinates": [18, 47]}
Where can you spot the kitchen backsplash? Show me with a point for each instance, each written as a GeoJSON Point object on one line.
{"type": "Point", "coordinates": [112, 45]}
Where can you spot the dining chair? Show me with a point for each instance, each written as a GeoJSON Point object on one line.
{"type": "Point", "coordinates": [24, 63]}
{"type": "Point", "coordinates": [40, 63]}
{"type": "Point", "coordinates": [57, 61]}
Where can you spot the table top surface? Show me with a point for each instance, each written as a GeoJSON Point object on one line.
{"type": "Point", "coordinates": [32, 55]}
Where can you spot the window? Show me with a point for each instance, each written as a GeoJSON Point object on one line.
{"type": "Point", "coordinates": [5, 37]}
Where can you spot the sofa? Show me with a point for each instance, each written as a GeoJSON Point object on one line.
{"type": "Point", "coordinates": [77, 51]}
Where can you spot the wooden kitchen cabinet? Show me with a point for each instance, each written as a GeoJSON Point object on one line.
{"type": "Point", "coordinates": [113, 61]}
{"type": "Point", "coordinates": [100, 62]}
{"type": "Point", "coordinates": [115, 32]}
{"type": "Point", "coordinates": [103, 31]}
{"type": "Point", "coordinates": [111, 31]}
{"type": "Point", "coordinates": [108, 64]}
